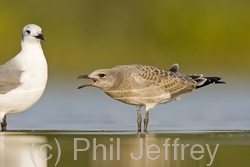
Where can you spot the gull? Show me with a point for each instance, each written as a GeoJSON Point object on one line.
{"type": "Point", "coordinates": [147, 86]}
{"type": "Point", "coordinates": [24, 77]}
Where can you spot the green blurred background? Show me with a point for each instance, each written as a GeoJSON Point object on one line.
{"type": "Point", "coordinates": [210, 37]}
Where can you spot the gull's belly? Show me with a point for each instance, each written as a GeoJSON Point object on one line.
{"type": "Point", "coordinates": [19, 100]}
{"type": "Point", "coordinates": [141, 97]}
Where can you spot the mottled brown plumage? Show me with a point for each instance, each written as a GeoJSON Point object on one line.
{"type": "Point", "coordinates": [145, 85]}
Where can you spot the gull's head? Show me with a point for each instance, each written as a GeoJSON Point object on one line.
{"type": "Point", "coordinates": [103, 79]}
{"type": "Point", "coordinates": [32, 33]}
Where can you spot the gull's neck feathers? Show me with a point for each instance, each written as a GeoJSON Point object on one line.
{"type": "Point", "coordinates": [30, 57]}
{"type": "Point", "coordinates": [28, 45]}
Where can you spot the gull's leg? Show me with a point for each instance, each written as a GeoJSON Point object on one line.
{"type": "Point", "coordinates": [146, 120]}
{"type": "Point", "coordinates": [4, 123]}
{"type": "Point", "coordinates": [139, 119]}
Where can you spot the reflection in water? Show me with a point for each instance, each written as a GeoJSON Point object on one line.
{"type": "Point", "coordinates": [159, 148]}
{"type": "Point", "coordinates": [15, 150]}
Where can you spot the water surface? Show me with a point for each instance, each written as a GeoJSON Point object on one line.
{"type": "Point", "coordinates": [125, 148]}
{"type": "Point", "coordinates": [63, 107]}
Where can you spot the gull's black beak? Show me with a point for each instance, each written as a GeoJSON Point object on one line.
{"type": "Point", "coordinates": [86, 77]}
{"type": "Point", "coordinates": [40, 36]}
{"type": "Point", "coordinates": [83, 77]}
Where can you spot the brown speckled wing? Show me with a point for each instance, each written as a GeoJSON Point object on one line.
{"type": "Point", "coordinates": [171, 82]}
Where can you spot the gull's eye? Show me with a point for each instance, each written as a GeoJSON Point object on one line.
{"type": "Point", "coordinates": [102, 75]}
{"type": "Point", "coordinates": [28, 31]}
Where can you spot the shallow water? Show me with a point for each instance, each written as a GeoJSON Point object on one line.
{"type": "Point", "coordinates": [63, 107]}
{"type": "Point", "coordinates": [125, 148]}
{"type": "Point", "coordinates": [65, 115]}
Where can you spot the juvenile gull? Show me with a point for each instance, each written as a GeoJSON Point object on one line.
{"type": "Point", "coordinates": [24, 77]}
{"type": "Point", "coordinates": [147, 86]}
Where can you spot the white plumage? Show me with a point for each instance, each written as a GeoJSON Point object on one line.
{"type": "Point", "coordinates": [24, 77]}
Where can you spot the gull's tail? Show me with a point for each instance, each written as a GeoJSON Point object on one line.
{"type": "Point", "coordinates": [204, 81]}
{"type": "Point", "coordinates": [201, 81]}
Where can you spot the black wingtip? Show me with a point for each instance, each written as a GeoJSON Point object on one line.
{"type": "Point", "coordinates": [215, 80]}
{"type": "Point", "coordinates": [211, 80]}
{"type": "Point", "coordinates": [220, 82]}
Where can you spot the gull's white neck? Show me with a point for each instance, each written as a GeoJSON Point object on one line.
{"type": "Point", "coordinates": [31, 46]}
{"type": "Point", "coordinates": [31, 57]}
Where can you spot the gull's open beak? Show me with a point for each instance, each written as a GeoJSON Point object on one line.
{"type": "Point", "coordinates": [86, 77]}
{"type": "Point", "coordinates": [40, 36]}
